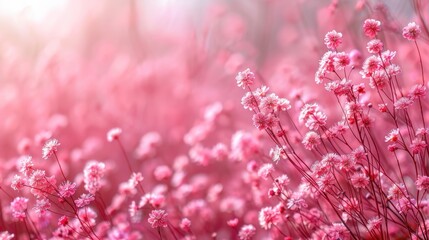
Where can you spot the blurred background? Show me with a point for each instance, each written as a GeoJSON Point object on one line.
{"type": "Point", "coordinates": [86, 66]}
{"type": "Point", "coordinates": [75, 69]}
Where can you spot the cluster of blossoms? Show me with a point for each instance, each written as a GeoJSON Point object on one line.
{"type": "Point", "coordinates": [266, 107]}
{"type": "Point", "coordinates": [77, 215]}
{"type": "Point", "coordinates": [352, 187]}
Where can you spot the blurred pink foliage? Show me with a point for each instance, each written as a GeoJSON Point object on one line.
{"type": "Point", "coordinates": [122, 119]}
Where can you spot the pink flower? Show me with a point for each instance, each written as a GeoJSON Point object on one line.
{"type": "Point", "coordinates": [405, 204]}
{"type": "Point", "coordinates": [374, 46]}
{"type": "Point", "coordinates": [393, 136]}
{"type": "Point", "coordinates": [135, 179]}
{"type": "Point", "coordinates": [200, 155]}
{"type": "Point", "coordinates": [84, 200]}
{"type": "Point", "coordinates": [326, 65]}
{"type": "Point", "coordinates": [63, 221]}
{"type": "Point", "coordinates": [331, 159]}
{"type": "Point", "coordinates": [220, 152]}
{"type": "Point", "coordinates": [370, 65]}
{"type": "Point", "coordinates": [365, 120]}
{"type": "Point", "coordinates": [418, 91]}
{"type": "Point", "coordinates": [403, 103]}
{"type": "Point", "coordinates": [158, 218]}
{"type": "Point", "coordinates": [371, 27]}
{"type": "Point", "coordinates": [346, 163]}
{"type": "Point", "coordinates": [26, 165]}
{"type": "Point", "coordinates": [417, 145]}
{"type": "Point", "coordinates": [382, 107]}
{"type": "Point", "coordinates": [150, 142]}
{"type": "Point", "coordinates": [374, 223]}
{"type": "Point", "coordinates": [40, 184]}
{"type": "Point", "coordinates": [359, 154]}
{"type": "Point", "coordinates": [333, 39]}
{"type": "Point", "coordinates": [185, 224]}
{"type": "Point", "coordinates": [113, 134]}
{"type": "Point", "coordinates": [252, 166]}
{"type": "Point", "coordinates": [87, 216]}
{"type": "Point", "coordinates": [422, 183]}
{"type": "Point", "coordinates": [355, 58]}
{"type": "Point", "coordinates": [396, 191]}
{"type": "Point", "coordinates": [50, 147]}
{"type": "Point", "coordinates": [261, 91]}
{"type": "Point", "coordinates": [278, 153]}
{"type": "Point", "coordinates": [353, 108]}
{"type": "Point", "coordinates": [18, 182]}
{"type": "Point", "coordinates": [359, 180]}
{"type": "Point", "coordinates": [283, 104]}
{"type": "Point", "coordinates": [250, 101]}
{"type": "Point", "coordinates": [411, 32]}
{"type": "Point", "coordinates": [269, 103]}
{"type": "Point", "coordinates": [392, 147]}
{"type": "Point", "coordinates": [6, 235]}
{"type": "Point", "coordinates": [62, 231]}
{"type": "Point", "coordinates": [245, 78]}
{"type": "Point", "coordinates": [266, 170]}
{"type": "Point", "coordinates": [93, 174]}
{"type": "Point", "coordinates": [195, 135]}
{"type": "Point", "coordinates": [311, 140]}
{"type": "Point", "coordinates": [422, 131]}
{"type": "Point", "coordinates": [378, 79]}
{"type": "Point", "coordinates": [157, 200]}
{"type": "Point", "coordinates": [337, 231]}
{"type": "Point", "coordinates": [341, 60]}
{"type": "Point", "coordinates": [296, 201]}
{"type": "Point", "coordinates": [213, 111]}
{"type": "Point", "coordinates": [162, 172]}
{"type": "Point", "coordinates": [326, 182]}
{"type": "Point", "coordinates": [267, 217]}
{"type": "Point", "coordinates": [316, 120]}
{"type": "Point", "coordinates": [311, 113]}
{"type": "Point", "coordinates": [133, 209]}
{"type": "Point", "coordinates": [247, 232]}
{"type": "Point", "coordinates": [339, 88]}
{"type": "Point", "coordinates": [232, 222]}
{"type": "Point", "coordinates": [264, 121]}
{"type": "Point", "coordinates": [42, 206]}
{"type": "Point", "coordinates": [337, 130]}
{"type": "Point", "coordinates": [393, 70]}
{"type": "Point", "coordinates": [67, 189]}
{"type": "Point", "coordinates": [18, 208]}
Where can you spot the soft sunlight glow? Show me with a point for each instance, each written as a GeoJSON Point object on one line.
{"type": "Point", "coordinates": [35, 10]}
{"type": "Point", "coordinates": [202, 119]}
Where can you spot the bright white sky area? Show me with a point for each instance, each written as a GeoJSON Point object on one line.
{"type": "Point", "coordinates": [34, 10]}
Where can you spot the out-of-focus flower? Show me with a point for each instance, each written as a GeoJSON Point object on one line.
{"type": "Point", "coordinates": [19, 208]}
{"type": "Point", "coordinates": [268, 216]}
{"type": "Point", "coordinates": [113, 134]}
{"type": "Point", "coordinates": [247, 232]}
{"type": "Point", "coordinates": [411, 31]}
{"type": "Point", "coordinates": [50, 147]}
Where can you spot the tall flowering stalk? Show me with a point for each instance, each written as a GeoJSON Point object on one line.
{"type": "Point", "coordinates": [356, 180]}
